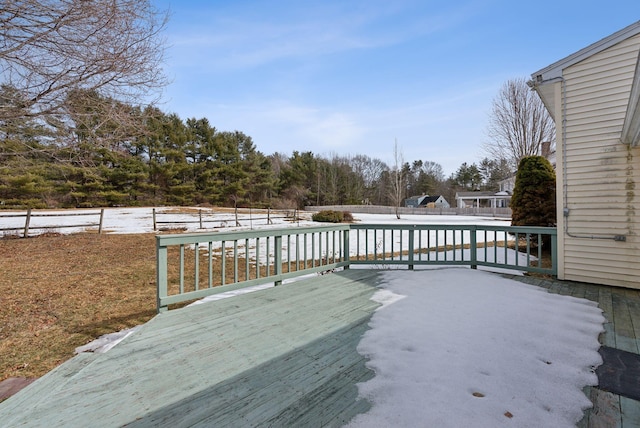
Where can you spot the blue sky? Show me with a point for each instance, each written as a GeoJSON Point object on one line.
{"type": "Point", "coordinates": [352, 77]}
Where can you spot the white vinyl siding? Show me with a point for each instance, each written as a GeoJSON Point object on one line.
{"type": "Point", "coordinates": [601, 172]}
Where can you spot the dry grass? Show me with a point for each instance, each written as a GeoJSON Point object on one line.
{"type": "Point", "coordinates": [60, 292]}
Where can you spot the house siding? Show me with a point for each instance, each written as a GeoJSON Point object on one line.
{"type": "Point", "coordinates": [600, 173]}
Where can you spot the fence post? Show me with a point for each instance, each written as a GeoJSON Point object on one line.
{"type": "Point", "coordinates": [26, 223]}
{"type": "Point", "coordinates": [101, 218]}
{"type": "Point", "coordinates": [154, 219]}
{"type": "Point", "coordinates": [473, 248]}
{"type": "Point", "coordinates": [200, 215]}
{"type": "Point", "coordinates": [237, 222]}
{"type": "Point", "coordinates": [277, 257]}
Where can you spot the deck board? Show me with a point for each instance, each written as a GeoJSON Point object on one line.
{"type": "Point", "coordinates": [285, 356]}
{"type": "Point", "coordinates": [621, 309]}
{"type": "Point", "coordinates": [220, 361]}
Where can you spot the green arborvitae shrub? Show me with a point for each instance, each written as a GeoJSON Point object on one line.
{"type": "Point", "coordinates": [331, 216]}
{"type": "Point", "coordinates": [534, 196]}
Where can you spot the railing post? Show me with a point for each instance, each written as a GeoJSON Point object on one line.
{"type": "Point", "coordinates": [554, 253]}
{"type": "Point", "coordinates": [277, 257]}
{"type": "Point", "coordinates": [161, 275]}
{"type": "Point", "coordinates": [473, 247]}
{"type": "Point", "coordinates": [345, 248]}
{"type": "Point", "coordinates": [412, 233]}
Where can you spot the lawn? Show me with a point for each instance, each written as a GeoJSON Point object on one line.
{"type": "Point", "coordinates": [60, 292]}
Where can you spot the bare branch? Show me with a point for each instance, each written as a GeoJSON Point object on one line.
{"type": "Point", "coordinates": [518, 124]}
{"type": "Point", "coordinates": [49, 48]}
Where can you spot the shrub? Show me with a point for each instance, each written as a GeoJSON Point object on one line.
{"type": "Point", "coordinates": [331, 216]}
{"type": "Point", "coordinates": [534, 196]}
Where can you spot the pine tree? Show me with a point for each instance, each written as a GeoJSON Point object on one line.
{"type": "Point", "coordinates": [534, 196]}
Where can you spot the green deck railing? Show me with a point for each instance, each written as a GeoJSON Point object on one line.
{"type": "Point", "coordinates": [195, 265]}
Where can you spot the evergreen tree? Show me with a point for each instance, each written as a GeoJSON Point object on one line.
{"type": "Point", "coordinates": [534, 197]}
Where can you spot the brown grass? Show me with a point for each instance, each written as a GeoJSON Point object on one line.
{"type": "Point", "coordinates": [60, 292]}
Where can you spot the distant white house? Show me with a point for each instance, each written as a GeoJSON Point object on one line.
{"type": "Point", "coordinates": [426, 201]}
{"type": "Point", "coordinates": [482, 199]}
{"type": "Point", "coordinates": [509, 183]}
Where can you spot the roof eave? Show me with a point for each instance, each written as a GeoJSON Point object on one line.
{"type": "Point", "coordinates": [631, 127]}
{"type": "Point", "coordinates": [555, 70]}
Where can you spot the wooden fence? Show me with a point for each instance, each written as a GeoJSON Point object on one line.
{"type": "Point", "coordinates": [30, 214]}
{"type": "Point", "coordinates": [206, 219]}
{"type": "Point", "coordinates": [381, 209]}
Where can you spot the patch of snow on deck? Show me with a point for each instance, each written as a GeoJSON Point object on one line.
{"type": "Point", "coordinates": [468, 348]}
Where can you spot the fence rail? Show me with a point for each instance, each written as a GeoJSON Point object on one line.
{"type": "Point", "coordinates": [381, 209]}
{"type": "Point", "coordinates": [234, 260]}
{"type": "Point", "coordinates": [206, 219]}
{"type": "Point", "coordinates": [29, 215]}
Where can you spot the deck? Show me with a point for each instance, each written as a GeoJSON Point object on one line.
{"type": "Point", "coordinates": [284, 356]}
{"type": "Point", "coordinates": [622, 331]}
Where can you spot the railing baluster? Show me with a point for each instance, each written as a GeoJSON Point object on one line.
{"type": "Point", "coordinates": [539, 249]}
{"type": "Point", "coordinates": [333, 246]}
{"type": "Point", "coordinates": [411, 248]}
{"type": "Point", "coordinates": [473, 247]}
{"type": "Point", "coordinates": [210, 264]}
{"type": "Point", "coordinates": [181, 268]}
{"type": "Point", "coordinates": [277, 260]}
{"type": "Point", "coordinates": [337, 241]}
{"type": "Point", "coordinates": [246, 259]}
{"type": "Point", "coordinates": [297, 251]}
{"type": "Point", "coordinates": [196, 268]}
{"type": "Point", "coordinates": [288, 252]}
{"type": "Point", "coordinates": [257, 252]}
{"type": "Point", "coordinates": [235, 261]}
{"type": "Point", "coordinates": [305, 250]}
{"type": "Point", "coordinates": [223, 268]}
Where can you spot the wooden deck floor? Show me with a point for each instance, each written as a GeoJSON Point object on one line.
{"type": "Point", "coordinates": [269, 356]}
{"type": "Point", "coordinates": [284, 356]}
{"type": "Point", "coordinates": [622, 331]}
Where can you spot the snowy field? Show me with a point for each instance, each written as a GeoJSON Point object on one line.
{"type": "Point", "coordinates": [452, 347]}
{"type": "Point", "coordinates": [140, 220]}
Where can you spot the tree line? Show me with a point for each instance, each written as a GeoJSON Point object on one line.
{"type": "Point", "coordinates": [78, 127]}
{"type": "Point", "coordinates": [143, 156]}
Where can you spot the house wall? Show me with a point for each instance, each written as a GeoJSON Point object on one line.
{"type": "Point", "coordinates": [599, 175]}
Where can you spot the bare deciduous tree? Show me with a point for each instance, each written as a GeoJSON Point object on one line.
{"type": "Point", "coordinates": [51, 47]}
{"type": "Point", "coordinates": [399, 180]}
{"type": "Point", "coordinates": [518, 124]}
